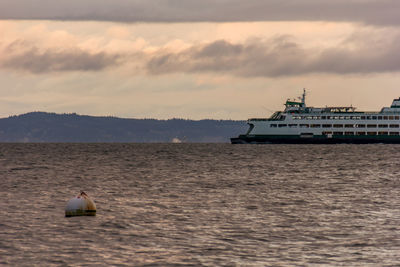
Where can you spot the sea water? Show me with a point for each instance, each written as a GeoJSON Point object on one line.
{"type": "Point", "coordinates": [201, 205]}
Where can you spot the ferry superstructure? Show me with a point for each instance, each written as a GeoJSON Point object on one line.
{"type": "Point", "coordinates": [301, 124]}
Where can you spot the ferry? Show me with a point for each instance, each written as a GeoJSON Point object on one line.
{"type": "Point", "coordinates": [300, 124]}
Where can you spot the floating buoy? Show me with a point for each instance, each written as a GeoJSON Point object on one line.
{"type": "Point", "coordinates": [81, 205]}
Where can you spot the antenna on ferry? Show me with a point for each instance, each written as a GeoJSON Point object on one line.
{"type": "Point", "coordinates": [303, 99]}
{"type": "Point", "coordinates": [269, 110]}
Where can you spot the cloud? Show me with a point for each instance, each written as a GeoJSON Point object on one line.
{"type": "Point", "coordinates": [34, 60]}
{"type": "Point", "coordinates": [280, 56]}
{"type": "Point", "coordinates": [380, 12]}
{"type": "Point", "coordinates": [364, 52]}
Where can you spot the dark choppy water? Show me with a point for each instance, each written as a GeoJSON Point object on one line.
{"type": "Point", "coordinates": [201, 204]}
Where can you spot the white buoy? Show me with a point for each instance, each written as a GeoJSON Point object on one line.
{"type": "Point", "coordinates": [81, 205]}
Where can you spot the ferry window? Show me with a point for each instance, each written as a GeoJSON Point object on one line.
{"type": "Point", "coordinates": [371, 125]}
{"type": "Point", "coordinates": [382, 125]}
{"type": "Point", "coordinates": [292, 125]}
{"type": "Point", "coordinates": [397, 117]}
{"type": "Point", "coordinates": [282, 125]}
{"type": "Point", "coordinates": [327, 125]}
{"type": "Point", "coordinates": [349, 133]}
{"type": "Point", "coordinates": [371, 133]}
{"type": "Point", "coordinates": [347, 117]}
{"type": "Point", "coordinates": [338, 133]}
{"type": "Point", "coordinates": [394, 126]}
{"type": "Point", "coordinates": [391, 117]}
{"type": "Point", "coordinates": [342, 118]}
{"type": "Point", "coordinates": [315, 118]}
{"type": "Point", "coordinates": [360, 125]}
{"type": "Point", "coordinates": [282, 118]}
{"type": "Point", "coordinates": [273, 125]}
{"type": "Point", "coordinates": [326, 133]}
{"type": "Point", "coordinates": [383, 133]}
{"type": "Point", "coordinates": [374, 117]}
{"type": "Point", "coordinates": [304, 125]}
{"type": "Point", "coordinates": [315, 125]}
{"type": "Point", "coordinates": [328, 117]}
{"type": "Point", "coordinates": [349, 125]}
{"type": "Point", "coordinates": [360, 133]}
{"type": "Point", "coordinates": [338, 125]}
{"type": "Point", "coordinates": [323, 117]}
{"type": "Point", "coordinates": [385, 117]}
{"type": "Point", "coordinates": [362, 117]}
{"type": "Point", "coordinates": [379, 117]}
{"type": "Point", "coordinates": [368, 117]}
{"type": "Point", "coordinates": [394, 133]}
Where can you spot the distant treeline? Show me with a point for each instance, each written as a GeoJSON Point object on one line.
{"type": "Point", "coordinates": [52, 127]}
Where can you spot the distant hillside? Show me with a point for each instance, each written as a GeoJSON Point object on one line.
{"type": "Point", "coordinates": [51, 127]}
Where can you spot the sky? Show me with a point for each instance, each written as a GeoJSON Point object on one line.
{"type": "Point", "coordinates": [209, 59]}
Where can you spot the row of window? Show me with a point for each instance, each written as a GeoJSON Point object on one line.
{"type": "Point", "coordinates": [361, 133]}
{"type": "Point", "coordinates": [358, 117]}
{"type": "Point", "coordinates": [335, 125]}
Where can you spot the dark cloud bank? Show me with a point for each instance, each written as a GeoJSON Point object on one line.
{"type": "Point", "coordinates": [381, 12]}
{"type": "Point", "coordinates": [280, 56]}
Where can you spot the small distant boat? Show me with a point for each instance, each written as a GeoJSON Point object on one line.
{"type": "Point", "coordinates": [299, 124]}
{"type": "Point", "coordinates": [176, 140]}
